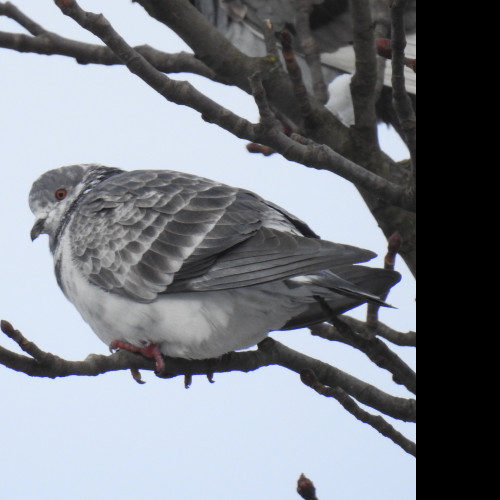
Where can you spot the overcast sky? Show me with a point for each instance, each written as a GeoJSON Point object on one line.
{"type": "Point", "coordinates": [247, 436]}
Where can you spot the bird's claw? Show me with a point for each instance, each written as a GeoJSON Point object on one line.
{"type": "Point", "coordinates": [149, 351]}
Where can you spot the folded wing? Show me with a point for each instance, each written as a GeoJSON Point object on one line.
{"type": "Point", "coordinates": [145, 233]}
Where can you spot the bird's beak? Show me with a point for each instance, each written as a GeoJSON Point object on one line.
{"type": "Point", "coordinates": [37, 229]}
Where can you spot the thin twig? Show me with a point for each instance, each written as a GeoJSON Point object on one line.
{"type": "Point", "coordinates": [87, 53]}
{"type": "Point", "coordinates": [50, 43]}
{"type": "Point", "coordinates": [376, 350]}
{"type": "Point", "coordinates": [393, 246]}
{"type": "Point", "coordinates": [322, 157]}
{"type": "Point", "coordinates": [270, 41]}
{"type": "Point", "coordinates": [267, 118]}
{"type": "Point", "coordinates": [329, 375]}
{"type": "Point", "coordinates": [311, 154]}
{"type": "Point", "coordinates": [310, 49]}
{"type": "Point", "coordinates": [295, 74]}
{"type": "Point", "coordinates": [178, 92]}
{"type": "Point", "coordinates": [364, 80]}
{"type": "Point", "coordinates": [382, 26]}
{"type": "Point", "coordinates": [10, 10]}
{"type": "Point", "coordinates": [329, 332]}
{"type": "Point", "coordinates": [402, 102]}
{"type": "Point", "coordinates": [309, 378]}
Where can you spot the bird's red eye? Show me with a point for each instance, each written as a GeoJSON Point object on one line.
{"type": "Point", "coordinates": [60, 194]}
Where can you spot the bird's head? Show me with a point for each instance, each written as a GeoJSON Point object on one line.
{"type": "Point", "coordinates": [52, 196]}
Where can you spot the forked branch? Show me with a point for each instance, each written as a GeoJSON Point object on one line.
{"type": "Point", "coordinates": [320, 156]}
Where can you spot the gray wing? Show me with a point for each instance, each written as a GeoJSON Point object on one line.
{"type": "Point", "coordinates": [270, 255]}
{"type": "Point", "coordinates": [144, 233]}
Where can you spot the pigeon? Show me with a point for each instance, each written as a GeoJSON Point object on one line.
{"type": "Point", "coordinates": [166, 263]}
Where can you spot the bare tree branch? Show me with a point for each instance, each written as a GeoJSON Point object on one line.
{"type": "Point", "coordinates": [183, 93]}
{"type": "Point", "coordinates": [10, 10]}
{"type": "Point", "coordinates": [232, 66]}
{"type": "Point", "coordinates": [85, 53]}
{"type": "Point", "coordinates": [375, 349]}
{"type": "Point", "coordinates": [393, 247]}
{"type": "Point", "coordinates": [49, 43]}
{"type": "Point", "coordinates": [267, 118]}
{"type": "Point", "coordinates": [406, 339]}
{"type": "Point", "coordinates": [364, 80]}
{"type": "Point", "coordinates": [329, 375]}
{"type": "Point", "coordinates": [382, 25]}
{"type": "Point", "coordinates": [270, 352]}
{"type": "Point", "coordinates": [322, 157]}
{"type": "Point", "coordinates": [402, 102]}
{"type": "Point", "coordinates": [376, 421]}
{"type": "Point", "coordinates": [311, 136]}
{"type": "Point", "coordinates": [295, 73]}
{"type": "Point", "coordinates": [309, 48]}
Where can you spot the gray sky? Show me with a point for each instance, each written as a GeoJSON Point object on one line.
{"type": "Point", "coordinates": [247, 436]}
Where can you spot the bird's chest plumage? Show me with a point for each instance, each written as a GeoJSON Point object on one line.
{"type": "Point", "coordinates": [190, 325]}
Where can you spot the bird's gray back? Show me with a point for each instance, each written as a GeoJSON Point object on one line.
{"type": "Point", "coordinates": [144, 233]}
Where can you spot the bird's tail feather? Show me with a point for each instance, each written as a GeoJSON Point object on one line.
{"type": "Point", "coordinates": [342, 288]}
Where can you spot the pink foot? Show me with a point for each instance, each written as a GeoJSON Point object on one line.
{"type": "Point", "coordinates": [149, 351]}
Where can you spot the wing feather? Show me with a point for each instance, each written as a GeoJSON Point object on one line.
{"type": "Point", "coordinates": [144, 233]}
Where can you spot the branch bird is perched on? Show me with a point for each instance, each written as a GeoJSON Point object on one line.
{"type": "Point", "coordinates": [163, 262]}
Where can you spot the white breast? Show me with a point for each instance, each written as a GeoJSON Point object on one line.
{"type": "Point", "coordinates": [193, 325]}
